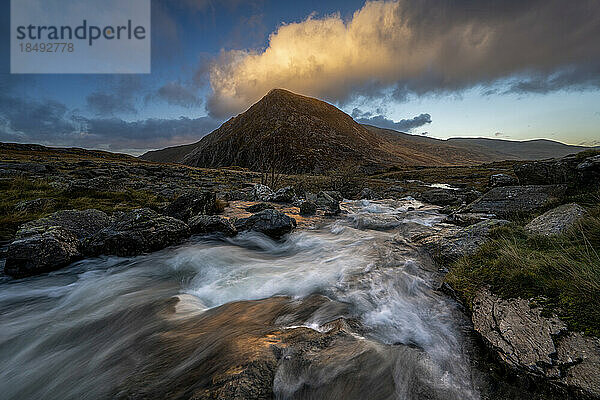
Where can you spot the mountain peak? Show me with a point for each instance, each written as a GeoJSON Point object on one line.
{"type": "Point", "coordinates": [308, 134]}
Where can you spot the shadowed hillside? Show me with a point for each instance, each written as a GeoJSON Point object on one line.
{"type": "Point", "coordinates": [291, 133]}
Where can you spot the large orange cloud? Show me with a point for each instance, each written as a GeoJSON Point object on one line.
{"type": "Point", "coordinates": [412, 46]}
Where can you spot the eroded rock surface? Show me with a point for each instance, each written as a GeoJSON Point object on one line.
{"type": "Point", "coordinates": [329, 202]}
{"type": "Point", "coordinates": [571, 170]}
{"type": "Point", "coordinates": [556, 221]}
{"type": "Point", "coordinates": [42, 252]}
{"type": "Point", "coordinates": [511, 201]}
{"type": "Point", "coordinates": [261, 193]}
{"type": "Point", "coordinates": [283, 195]}
{"type": "Point", "coordinates": [526, 341]}
{"type": "Point", "coordinates": [449, 242]}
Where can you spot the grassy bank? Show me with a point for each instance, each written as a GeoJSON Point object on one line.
{"type": "Point", "coordinates": [17, 190]}
{"type": "Point", "coordinates": [562, 272]}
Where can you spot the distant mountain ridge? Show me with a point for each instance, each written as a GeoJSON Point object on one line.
{"type": "Point", "coordinates": [302, 134]}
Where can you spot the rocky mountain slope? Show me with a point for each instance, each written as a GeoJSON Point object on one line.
{"type": "Point", "coordinates": [294, 133]}
{"type": "Point", "coordinates": [290, 133]}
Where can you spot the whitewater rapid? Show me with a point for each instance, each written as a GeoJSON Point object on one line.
{"type": "Point", "coordinates": [77, 333]}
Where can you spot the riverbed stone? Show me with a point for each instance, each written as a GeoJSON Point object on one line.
{"type": "Point", "coordinates": [45, 251]}
{"type": "Point", "coordinates": [325, 201]}
{"type": "Point", "coordinates": [212, 224]}
{"type": "Point", "coordinates": [261, 192]}
{"type": "Point", "coordinates": [271, 222]}
{"type": "Point", "coordinates": [135, 232]}
{"type": "Point", "coordinates": [283, 195]}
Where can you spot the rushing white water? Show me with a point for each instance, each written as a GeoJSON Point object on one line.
{"type": "Point", "coordinates": [74, 333]}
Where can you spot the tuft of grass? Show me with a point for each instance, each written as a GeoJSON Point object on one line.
{"type": "Point", "coordinates": [13, 191]}
{"type": "Point", "coordinates": [562, 271]}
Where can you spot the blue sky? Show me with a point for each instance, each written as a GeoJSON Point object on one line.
{"type": "Point", "coordinates": [505, 80]}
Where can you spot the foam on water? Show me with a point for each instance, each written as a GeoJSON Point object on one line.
{"type": "Point", "coordinates": [70, 334]}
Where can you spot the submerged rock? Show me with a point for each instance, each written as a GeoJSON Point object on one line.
{"type": "Point", "coordinates": [212, 224]}
{"type": "Point", "coordinates": [261, 350]}
{"type": "Point", "coordinates": [512, 201]}
{"type": "Point", "coordinates": [192, 203]}
{"type": "Point", "coordinates": [556, 221]}
{"type": "Point", "coordinates": [135, 232]}
{"type": "Point", "coordinates": [272, 223]}
{"type": "Point", "coordinates": [524, 340]}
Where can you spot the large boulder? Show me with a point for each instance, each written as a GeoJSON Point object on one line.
{"type": "Point", "coordinates": [136, 232]}
{"type": "Point", "coordinates": [51, 242]}
{"type": "Point", "coordinates": [192, 203]}
{"type": "Point", "coordinates": [80, 223]}
{"type": "Point", "coordinates": [450, 242]}
{"type": "Point", "coordinates": [513, 201]}
{"type": "Point", "coordinates": [572, 170]}
{"type": "Point", "coordinates": [272, 223]}
{"type": "Point", "coordinates": [556, 221]}
{"type": "Point", "coordinates": [41, 252]}
{"type": "Point", "coordinates": [283, 195]}
{"type": "Point", "coordinates": [212, 224]}
{"type": "Point", "coordinates": [326, 202]}
{"type": "Point", "coordinates": [525, 340]}
{"type": "Point", "coordinates": [308, 207]}
{"type": "Point", "coordinates": [261, 192]}
{"type": "Point", "coordinates": [499, 180]}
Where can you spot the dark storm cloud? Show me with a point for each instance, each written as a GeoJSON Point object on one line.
{"type": "Point", "coordinates": [117, 96]}
{"type": "Point", "coordinates": [415, 47]}
{"type": "Point", "coordinates": [177, 94]}
{"type": "Point", "coordinates": [404, 125]}
{"type": "Point", "coordinates": [50, 122]}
